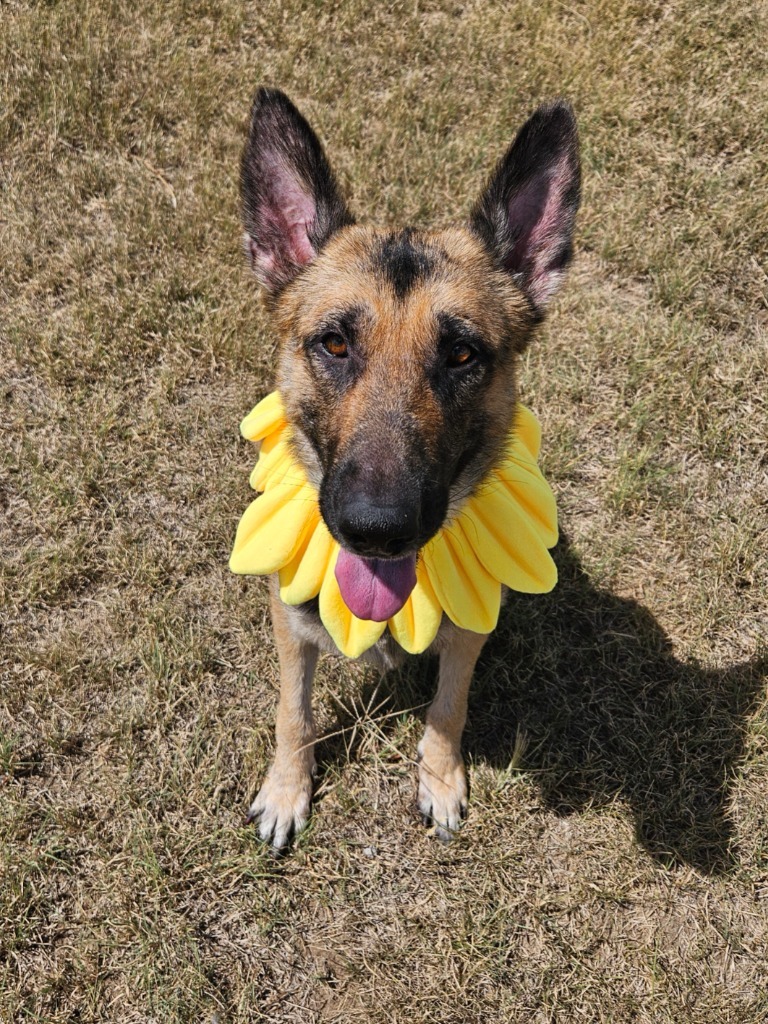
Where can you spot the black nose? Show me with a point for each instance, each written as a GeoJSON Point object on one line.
{"type": "Point", "coordinates": [378, 530]}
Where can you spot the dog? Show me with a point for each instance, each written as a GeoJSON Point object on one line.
{"type": "Point", "coordinates": [397, 371]}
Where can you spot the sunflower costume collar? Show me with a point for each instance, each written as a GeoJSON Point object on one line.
{"type": "Point", "coordinates": [500, 536]}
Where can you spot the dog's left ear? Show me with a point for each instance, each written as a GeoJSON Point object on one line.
{"type": "Point", "coordinates": [526, 214]}
{"type": "Point", "coordinates": [291, 203]}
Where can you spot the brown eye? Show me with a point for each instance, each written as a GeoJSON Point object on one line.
{"type": "Point", "coordinates": [461, 355]}
{"type": "Point", "coordinates": [335, 346]}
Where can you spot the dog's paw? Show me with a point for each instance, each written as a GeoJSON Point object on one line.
{"type": "Point", "coordinates": [281, 808]}
{"type": "Point", "coordinates": [442, 789]}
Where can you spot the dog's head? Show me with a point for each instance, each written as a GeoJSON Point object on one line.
{"type": "Point", "coordinates": [398, 348]}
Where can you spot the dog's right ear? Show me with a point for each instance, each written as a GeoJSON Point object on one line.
{"type": "Point", "coordinates": [526, 214]}
{"type": "Point", "coordinates": [291, 204]}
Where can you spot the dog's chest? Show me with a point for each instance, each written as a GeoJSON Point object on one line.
{"type": "Point", "coordinates": [385, 654]}
{"type": "Point", "coordinates": [306, 624]}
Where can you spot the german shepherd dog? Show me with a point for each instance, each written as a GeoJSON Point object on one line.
{"type": "Point", "coordinates": [397, 369]}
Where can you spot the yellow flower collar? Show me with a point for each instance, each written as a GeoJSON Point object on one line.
{"type": "Point", "coordinates": [500, 536]}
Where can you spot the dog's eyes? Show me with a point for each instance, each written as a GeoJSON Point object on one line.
{"type": "Point", "coordinates": [335, 346]}
{"type": "Point", "coordinates": [461, 355]}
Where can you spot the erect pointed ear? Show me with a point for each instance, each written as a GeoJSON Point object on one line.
{"type": "Point", "coordinates": [525, 215]}
{"type": "Point", "coordinates": [291, 204]}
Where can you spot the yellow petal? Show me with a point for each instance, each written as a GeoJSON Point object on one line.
{"type": "Point", "coordinates": [469, 594]}
{"type": "Point", "coordinates": [351, 635]}
{"type": "Point", "coordinates": [508, 542]}
{"type": "Point", "coordinates": [267, 416]}
{"type": "Point", "coordinates": [301, 578]}
{"type": "Point", "coordinates": [272, 529]}
{"type": "Point", "coordinates": [531, 493]}
{"type": "Point", "coordinates": [416, 624]}
{"type": "Point", "coordinates": [502, 534]}
{"type": "Point", "coordinates": [527, 431]}
{"type": "Point", "coordinates": [274, 465]}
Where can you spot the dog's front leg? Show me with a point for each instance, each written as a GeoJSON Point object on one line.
{"type": "Point", "coordinates": [282, 805]}
{"type": "Point", "coordinates": [442, 779]}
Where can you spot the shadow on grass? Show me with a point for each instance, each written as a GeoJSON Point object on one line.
{"type": "Point", "coordinates": [607, 711]}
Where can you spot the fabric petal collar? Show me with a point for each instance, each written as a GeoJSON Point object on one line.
{"type": "Point", "coordinates": [501, 535]}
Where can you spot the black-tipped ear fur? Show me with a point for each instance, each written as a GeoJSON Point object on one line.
{"type": "Point", "coordinates": [526, 214]}
{"type": "Point", "coordinates": [291, 204]}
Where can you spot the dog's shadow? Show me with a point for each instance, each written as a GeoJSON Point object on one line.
{"type": "Point", "coordinates": [589, 683]}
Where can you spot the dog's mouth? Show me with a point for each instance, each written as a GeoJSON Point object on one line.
{"type": "Point", "coordinates": [375, 588]}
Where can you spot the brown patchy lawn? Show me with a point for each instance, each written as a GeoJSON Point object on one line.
{"type": "Point", "coordinates": [614, 867]}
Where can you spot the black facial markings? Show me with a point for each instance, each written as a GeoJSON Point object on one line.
{"type": "Point", "coordinates": [404, 261]}
{"type": "Point", "coordinates": [455, 386]}
{"type": "Point", "coordinates": [476, 443]}
{"type": "Point", "coordinates": [343, 322]}
{"type": "Point", "coordinates": [332, 376]}
{"type": "Point", "coordinates": [452, 330]}
{"type": "Point", "coordinates": [311, 426]}
{"type": "Point", "coordinates": [459, 390]}
{"type": "Point", "coordinates": [328, 369]}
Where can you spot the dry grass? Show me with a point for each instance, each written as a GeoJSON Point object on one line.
{"type": "Point", "coordinates": [615, 864]}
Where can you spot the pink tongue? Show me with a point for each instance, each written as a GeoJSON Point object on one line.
{"type": "Point", "coordinates": [375, 588]}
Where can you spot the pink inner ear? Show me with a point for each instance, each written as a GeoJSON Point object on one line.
{"type": "Point", "coordinates": [263, 262]}
{"type": "Point", "coordinates": [533, 215]}
{"type": "Point", "coordinates": [296, 215]}
{"type": "Point", "coordinates": [539, 214]}
{"type": "Point", "coordinates": [290, 211]}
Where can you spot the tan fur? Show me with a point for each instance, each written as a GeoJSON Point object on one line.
{"type": "Point", "coordinates": [465, 284]}
{"type": "Point", "coordinates": [397, 371]}
{"type": "Point", "coordinates": [398, 333]}
{"type": "Point", "coordinates": [442, 779]}
{"type": "Point", "coordinates": [284, 798]}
